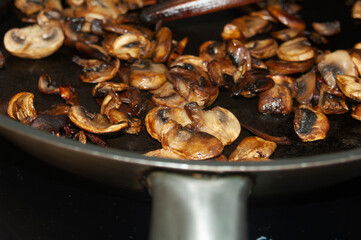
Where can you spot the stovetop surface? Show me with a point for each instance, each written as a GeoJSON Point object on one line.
{"type": "Point", "coordinates": [38, 201]}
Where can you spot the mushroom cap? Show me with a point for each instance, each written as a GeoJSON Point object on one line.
{"type": "Point", "coordinates": [34, 41]}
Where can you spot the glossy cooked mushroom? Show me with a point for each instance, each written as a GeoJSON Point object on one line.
{"type": "Point", "coordinates": [287, 68]}
{"type": "Point", "coordinates": [336, 63]}
{"type": "Point", "coordinates": [189, 142]}
{"type": "Point", "coordinates": [163, 45]}
{"type": "Point", "coordinates": [103, 88]}
{"type": "Point", "coordinates": [33, 41]}
{"type": "Point", "coordinates": [296, 50]}
{"type": "Point", "coordinates": [327, 28]}
{"type": "Point", "coordinates": [265, 48]}
{"type": "Point", "coordinates": [286, 18]}
{"type": "Point", "coordinates": [231, 31]}
{"type": "Point", "coordinates": [21, 106]}
{"type": "Point", "coordinates": [250, 25]}
{"type": "Point", "coordinates": [147, 75]}
{"type": "Point", "coordinates": [253, 149]}
{"type": "Point", "coordinates": [94, 123]}
{"type": "Point", "coordinates": [350, 86]}
{"type": "Point", "coordinates": [29, 7]}
{"type": "Point", "coordinates": [164, 153]}
{"type": "Point", "coordinates": [167, 96]}
{"type": "Point", "coordinates": [310, 124]}
{"type": "Point", "coordinates": [286, 34]}
{"type": "Point", "coordinates": [96, 71]}
{"type": "Point", "coordinates": [332, 101]}
{"type": "Point", "coordinates": [306, 87]}
{"type": "Point", "coordinates": [135, 125]}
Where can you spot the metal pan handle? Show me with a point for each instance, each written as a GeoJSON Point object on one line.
{"type": "Point", "coordinates": [198, 207]}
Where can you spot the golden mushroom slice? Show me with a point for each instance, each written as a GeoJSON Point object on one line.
{"type": "Point", "coordinates": [189, 142]}
{"type": "Point", "coordinates": [356, 112]}
{"type": "Point", "coordinates": [286, 68]}
{"type": "Point", "coordinates": [332, 101]}
{"type": "Point", "coordinates": [188, 61]}
{"type": "Point", "coordinates": [350, 86]}
{"type": "Point", "coordinates": [231, 31]}
{"type": "Point", "coordinates": [21, 106]}
{"type": "Point", "coordinates": [34, 41]}
{"type": "Point", "coordinates": [218, 122]}
{"type": "Point", "coordinates": [163, 45]}
{"type": "Point", "coordinates": [164, 153]}
{"type": "Point", "coordinates": [250, 25]}
{"type": "Point", "coordinates": [94, 123]}
{"type": "Point", "coordinates": [356, 10]}
{"type": "Point", "coordinates": [336, 63]}
{"type": "Point", "coordinates": [29, 7]}
{"type": "Point", "coordinates": [327, 28]}
{"type": "Point", "coordinates": [253, 149]}
{"type": "Point", "coordinates": [103, 88]}
{"type": "Point", "coordinates": [306, 87]}
{"type": "Point", "coordinates": [127, 46]}
{"type": "Point", "coordinates": [135, 125]}
{"type": "Point", "coordinates": [167, 96]}
{"type": "Point", "coordinates": [310, 124]}
{"type": "Point", "coordinates": [286, 18]}
{"type": "Point", "coordinates": [96, 71]}
{"type": "Point", "coordinates": [296, 50]}
{"type": "Point", "coordinates": [265, 48]}
{"type": "Point", "coordinates": [146, 75]}
{"type": "Point", "coordinates": [286, 34]}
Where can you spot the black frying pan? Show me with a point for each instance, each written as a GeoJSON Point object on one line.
{"type": "Point", "coordinates": [191, 200]}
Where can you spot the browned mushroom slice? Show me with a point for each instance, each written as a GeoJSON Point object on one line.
{"type": "Point", "coordinates": [47, 86]}
{"type": "Point", "coordinates": [337, 62]}
{"type": "Point", "coordinates": [135, 125]}
{"type": "Point", "coordinates": [250, 25]}
{"type": "Point", "coordinates": [356, 10]}
{"type": "Point", "coordinates": [75, 3]}
{"type": "Point", "coordinates": [296, 50]}
{"type": "Point", "coordinates": [327, 28]}
{"type": "Point", "coordinates": [104, 10]}
{"type": "Point", "coordinates": [177, 49]}
{"type": "Point", "coordinates": [253, 83]}
{"type": "Point", "coordinates": [306, 86]}
{"type": "Point", "coordinates": [164, 153]}
{"type": "Point", "coordinates": [57, 109]}
{"type": "Point", "coordinates": [95, 71]}
{"type": "Point", "coordinates": [350, 86]}
{"type": "Point", "coordinates": [29, 7]}
{"type": "Point", "coordinates": [239, 53]}
{"type": "Point", "coordinates": [310, 124]}
{"type": "Point", "coordinates": [94, 123]}
{"type": "Point", "coordinates": [92, 51]}
{"type": "Point", "coordinates": [146, 75]}
{"type": "Point", "coordinates": [21, 106]}
{"type": "Point", "coordinates": [356, 58]}
{"type": "Point", "coordinates": [111, 101]}
{"type": "Point", "coordinates": [102, 89]}
{"type": "Point", "coordinates": [189, 61]}
{"type": "Point", "coordinates": [194, 85]}
{"type": "Point", "coordinates": [125, 28]}
{"type": "Point", "coordinates": [158, 116]}
{"type": "Point", "coordinates": [212, 50]}
{"type": "Point", "coordinates": [218, 122]}
{"type": "Point", "coordinates": [33, 41]}
{"type": "Point", "coordinates": [167, 96]}
{"type": "Point", "coordinates": [49, 16]}
{"type": "Point", "coordinates": [263, 14]}
{"type": "Point", "coordinates": [49, 123]}
{"type": "Point", "coordinates": [287, 68]}
{"type": "Point", "coordinates": [231, 31]}
{"type": "Point", "coordinates": [332, 101]}
{"type": "Point", "coordinates": [253, 148]}
{"type": "Point", "coordinates": [265, 48]}
{"type": "Point", "coordinates": [163, 45]}
{"type": "Point", "coordinates": [286, 34]}
{"type": "Point", "coordinates": [286, 18]}
{"type": "Point", "coordinates": [215, 74]}
{"type": "Point", "coordinates": [189, 142]}
{"type": "Point", "coordinates": [277, 100]}
{"type": "Point", "coordinates": [127, 46]}
{"type": "Point", "coordinates": [356, 112]}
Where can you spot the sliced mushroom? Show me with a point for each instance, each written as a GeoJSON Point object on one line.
{"type": "Point", "coordinates": [33, 41]}
{"type": "Point", "coordinates": [287, 68]}
{"type": "Point", "coordinates": [189, 142]}
{"type": "Point", "coordinates": [286, 18]}
{"type": "Point", "coordinates": [102, 89]}
{"type": "Point", "coordinates": [105, 10]}
{"type": "Point", "coordinates": [286, 34]}
{"type": "Point", "coordinates": [265, 48]}
{"type": "Point", "coordinates": [253, 83]}
{"type": "Point", "coordinates": [125, 29]}
{"type": "Point", "coordinates": [163, 45]}
{"type": "Point", "coordinates": [218, 122]}
{"type": "Point", "coordinates": [332, 101]}
{"type": "Point", "coordinates": [47, 86]}
{"type": "Point", "coordinates": [253, 149]}
{"type": "Point", "coordinates": [49, 123]}
{"type": "Point", "coordinates": [231, 31]}
{"type": "Point", "coordinates": [111, 101]}
{"type": "Point", "coordinates": [310, 124]}
{"type": "Point", "coordinates": [250, 25]}
{"type": "Point", "coordinates": [177, 50]}
{"type": "Point", "coordinates": [212, 50]}
{"type": "Point", "coordinates": [356, 112]}
{"type": "Point", "coordinates": [146, 75]}
{"type": "Point", "coordinates": [127, 46]}
{"type": "Point", "coordinates": [239, 54]}
{"type": "Point", "coordinates": [306, 86]}
{"type": "Point", "coordinates": [327, 28]}
{"type": "Point", "coordinates": [278, 99]}
{"type": "Point", "coordinates": [167, 96]}
{"type": "Point", "coordinates": [356, 58]}
{"type": "Point", "coordinates": [135, 125]}
{"type": "Point", "coordinates": [350, 86]}
{"type": "Point", "coordinates": [95, 71]}
{"type": "Point", "coordinates": [356, 10]}
{"type": "Point", "coordinates": [94, 123]}
{"type": "Point", "coordinates": [73, 31]}
{"type": "Point", "coordinates": [75, 3]}
{"type": "Point", "coordinates": [21, 106]}
{"type": "Point", "coordinates": [29, 7]}
{"type": "Point", "coordinates": [296, 50]}
{"type": "Point", "coordinates": [194, 85]}
{"type": "Point", "coordinates": [57, 109]}
{"type": "Point", "coordinates": [164, 153]}
{"type": "Point", "coordinates": [336, 63]}
{"type": "Point", "coordinates": [187, 61]}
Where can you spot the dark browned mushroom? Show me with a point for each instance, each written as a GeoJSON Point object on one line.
{"type": "Point", "coordinates": [286, 18]}
{"type": "Point", "coordinates": [310, 124]}
{"type": "Point", "coordinates": [306, 86]}
{"type": "Point", "coordinates": [250, 25]}
{"type": "Point", "coordinates": [253, 149]}
{"type": "Point", "coordinates": [164, 153]}
{"type": "Point", "coordinates": [167, 96]}
{"type": "Point", "coordinates": [332, 101]}
{"type": "Point", "coordinates": [102, 89]}
{"type": "Point", "coordinates": [265, 48]}
{"type": "Point", "coordinates": [287, 68]}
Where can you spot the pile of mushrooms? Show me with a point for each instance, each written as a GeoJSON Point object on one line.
{"type": "Point", "coordinates": [171, 95]}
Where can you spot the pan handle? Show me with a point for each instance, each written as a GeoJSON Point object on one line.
{"type": "Point", "coordinates": [198, 207]}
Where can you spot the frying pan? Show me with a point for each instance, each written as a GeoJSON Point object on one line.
{"type": "Point", "coordinates": [191, 199]}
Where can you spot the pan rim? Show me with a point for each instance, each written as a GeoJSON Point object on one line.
{"type": "Point", "coordinates": [112, 154]}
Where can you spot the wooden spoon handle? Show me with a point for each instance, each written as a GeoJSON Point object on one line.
{"type": "Point", "coordinates": [177, 9]}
